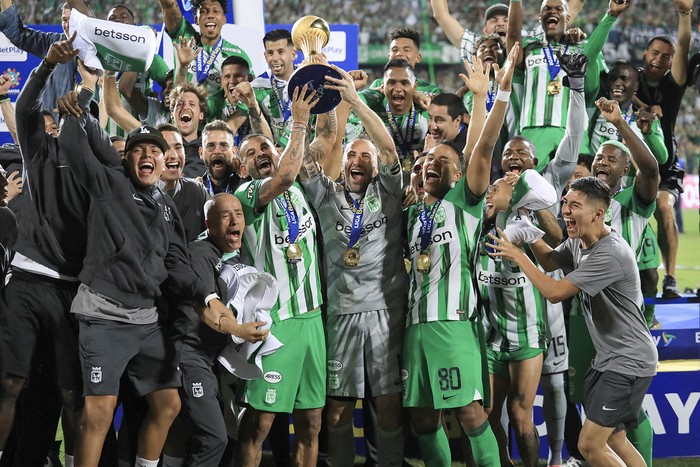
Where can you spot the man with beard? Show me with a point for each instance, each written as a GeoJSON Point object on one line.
{"type": "Point", "coordinates": [217, 152]}
{"type": "Point", "coordinates": [280, 239]}
{"type": "Point", "coordinates": [188, 194]}
{"type": "Point", "coordinates": [366, 280]}
{"type": "Point", "coordinates": [600, 267]}
{"type": "Point", "coordinates": [445, 119]}
{"type": "Point", "coordinates": [188, 104]}
{"type": "Point", "coordinates": [407, 123]}
{"type": "Point", "coordinates": [662, 84]}
{"type": "Point", "coordinates": [210, 16]}
{"type": "Point", "coordinates": [545, 100]}
{"type": "Point", "coordinates": [271, 87]}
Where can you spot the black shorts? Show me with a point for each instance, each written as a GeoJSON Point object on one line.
{"type": "Point", "coordinates": [612, 399]}
{"type": "Point", "coordinates": [109, 348]}
{"type": "Point", "coordinates": [35, 317]}
{"type": "Point", "coordinates": [672, 180]}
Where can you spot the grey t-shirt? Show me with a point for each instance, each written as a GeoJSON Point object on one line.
{"type": "Point", "coordinates": [379, 281]}
{"type": "Point", "coordinates": [611, 297]}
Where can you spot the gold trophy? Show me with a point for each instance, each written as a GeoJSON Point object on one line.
{"type": "Point", "coordinates": [310, 35]}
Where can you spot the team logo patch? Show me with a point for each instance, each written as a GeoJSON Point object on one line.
{"type": "Point", "coordinates": [272, 377]}
{"type": "Point", "coordinates": [440, 215]}
{"type": "Point", "coordinates": [608, 215]}
{"type": "Point", "coordinates": [271, 396]}
{"type": "Point", "coordinates": [373, 203]}
{"type": "Point", "coordinates": [333, 381]}
{"type": "Point", "coordinates": [404, 374]}
{"type": "Point", "coordinates": [197, 390]}
{"type": "Point", "coordinates": [96, 374]}
{"type": "Point", "coordinates": [334, 365]}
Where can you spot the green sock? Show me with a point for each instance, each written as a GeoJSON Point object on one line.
{"type": "Point", "coordinates": [484, 446]}
{"type": "Point", "coordinates": [642, 437]}
{"type": "Point", "coordinates": [649, 312]}
{"type": "Point", "coordinates": [435, 449]}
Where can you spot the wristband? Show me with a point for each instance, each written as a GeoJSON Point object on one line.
{"type": "Point", "coordinates": [47, 65]}
{"type": "Point", "coordinates": [685, 13]}
{"type": "Point", "coordinates": [209, 298]}
{"type": "Point", "coordinates": [503, 96]}
{"type": "Point", "coordinates": [4, 97]}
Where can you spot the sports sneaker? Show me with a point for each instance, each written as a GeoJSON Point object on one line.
{"type": "Point", "coordinates": [670, 288]}
{"type": "Point", "coordinates": [573, 462]}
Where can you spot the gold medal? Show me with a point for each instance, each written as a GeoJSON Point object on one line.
{"type": "Point", "coordinates": [294, 253]}
{"type": "Point", "coordinates": [554, 87]}
{"type": "Point", "coordinates": [351, 257]}
{"type": "Point", "coordinates": [407, 264]}
{"type": "Point", "coordinates": [423, 263]}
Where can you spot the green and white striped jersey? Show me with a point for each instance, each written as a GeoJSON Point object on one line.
{"type": "Point", "coordinates": [265, 242]}
{"type": "Point", "coordinates": [446, 292]}
{"type": "Point", "coordinates": [212, 83]}
{"type": "Point", "coordinates": [629, 217]}
{"type": "Point", "coordinates": [512, 119]}
{"type": "Point", "coordinates": [515, 309]}
{"type": "Point", "coordinates": [379, 281]}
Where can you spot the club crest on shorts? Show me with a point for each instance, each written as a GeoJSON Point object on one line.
{"type": "Point", "coordinates": [333, 380]}
{"type": "Point", "coordinates": [96, 374]}
{"type": "Point", "coordinates": [271, 396]}
{"type": "Point", "coordinates": [197, 390]}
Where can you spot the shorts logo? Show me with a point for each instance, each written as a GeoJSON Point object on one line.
{"type": "Point", "coordinates": [334, 365]}
{"type": "Point", "coordinates": [197, 390]}
{"type": "Point", "coordinates": [96, 374]}
{"type": "Point", "coordinates": [271, 396]}
{"type": "Point", "coordinates": [404, 375]}
{"type": "Point", "coordinates": [272, 377]}
{"type": "Point", "coordinates": [333, 381]}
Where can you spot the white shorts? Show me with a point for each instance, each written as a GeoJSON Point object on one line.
{"type": "Point", "coordinates": [556, 359]}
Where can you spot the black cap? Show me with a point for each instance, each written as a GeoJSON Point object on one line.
{"type": "Point", "coordinates": [145, 133]}
{"type": "Point", "coordinates": [497, 9]}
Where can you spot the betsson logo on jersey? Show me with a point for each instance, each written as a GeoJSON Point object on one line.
{"type": "Point", "coordinates": [120, 35]}
{"type": "Point", "coordinates": [367, 228]}
{"type": "Point", "coordinates": [305, 227]}
{"type": "Point", "coordinates": [440, 236]}
{"type": "Point", "coordinates": [496, 279]}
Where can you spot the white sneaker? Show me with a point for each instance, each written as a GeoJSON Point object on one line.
{"type": "Point", "coordinates": [573, 462]}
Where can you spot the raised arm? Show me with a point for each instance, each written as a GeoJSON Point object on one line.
{"type": "Point", "coordinates": [114, 107]}
{"type": "Point", "coordinates": [79, 5]}
{"type": "Point", "coordinates": [293, 154]}
{"type": "Point", "coordinates": [646, 182]}
{"type": "Point", "coordinates": [32, 41]}
{"type": "Point", "coordinates": [258, 124]}
{"type": "Point", "coordinates": [172, 16]}
{"type": "Point", "coordinates": [8, 111]}
{"type": "Point", "coordinates": [185, 53]}
{"type": "Point", "coordinates": [679, 65]}
{"type": "Point", "coordinates": [453, 30]}
{"type": "Point", "coordinates": [135, 98]}
{"type": "Point", "coordinates": [480, 82]}
{"type": "Point", "coordinates": [575, 7]}
{"type": "Point", "coordinates": [480, 161]}
{"type": "Point", "coordinates": [515, 28]}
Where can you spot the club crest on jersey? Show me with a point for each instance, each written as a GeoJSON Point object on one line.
{"type": "Point", "coordinates": [96, 374]}
{"type": "Point", "coordinates": [373, 203]}
{"type": "Point", "coordinates": [440, 215]}
{"type": "Point", "coordinates": [197, 390]}
{"type": "Point", "coordinates": [608, 215]}
{"type": "Point", "coordinates": [271, 396]}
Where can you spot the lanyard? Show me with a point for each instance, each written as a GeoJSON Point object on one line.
{"type": "Point", "coordinates": [629, 113]}
{"type": "Point", "coordinates": [356, 207]}
{"type": "Point", "coordinates": [204, 67]}
{"type": "Point", "coordinates": [552, 61]}
{"type": "Point", "coordinates": [427, 220]}
{"type": "Point", "coordinates": [285, 203]}
{"type": "Point", "coordinates": [491, 95]}
{"type": "Point", "coordinates": [285, 109]}
{"type": "Point", "coordinates": [403, 142]}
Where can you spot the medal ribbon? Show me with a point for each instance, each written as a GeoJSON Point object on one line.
{"type": "Point", "coordinates": [285, 109]}
{"type": "Point", "coordinates": [427, 220]}
{"type": "Point", "coordinates": [356, 207]}
{"type": "Point", "coordinates": [285, 203]}
{"type": "Point", "coordinates": [403, 142]}
{"type": "Point", "coordinates": [210, 187]}
{"type": "Point", "coordinates": [204, 67]}
{"type": "Point", "coordinates": [629, 113]}
{"type": "Point", "coordinates": [552, 61]}
{"type": "Point", "coordinates": [491, 95]}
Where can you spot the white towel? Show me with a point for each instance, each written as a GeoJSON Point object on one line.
{"type": "Point", "coordinates": [255, 294]}
{"type": "Point", "coordinates": [105, 45]}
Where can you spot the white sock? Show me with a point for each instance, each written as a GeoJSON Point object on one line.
{"type": "Point", "coordinates": [390, 447]}
{"type": "Point", "coordinates": [341, 445]}
{"type": "Point", "coordinates": [145, 463]}
{"type": "Point", "coordinates": [70, 461]}
{"type": "Point", "coordinates": [169, 461]}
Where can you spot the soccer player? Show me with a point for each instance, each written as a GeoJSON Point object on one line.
{"type": "Point", "coordinates": [280, 238]}
{"type": "Point", "coordinates": [361, 219]}
{"type": "Point", "coordinates": [601, 268]}
{"type": "Point", "coordinates": [188, 107]}
{"type": "Point", "coordinates": [443, 235]}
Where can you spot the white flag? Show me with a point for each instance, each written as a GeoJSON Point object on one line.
{"type": "Point", "coordinates": [105, 45]}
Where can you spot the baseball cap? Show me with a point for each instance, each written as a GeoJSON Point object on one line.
{"type": "Point", "coordinates": [145, 133]}
{"type": "Point", "coordinates": [493, 10]}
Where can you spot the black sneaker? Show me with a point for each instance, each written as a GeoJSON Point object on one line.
{"type": "Point", "coordinates": [670, 288]}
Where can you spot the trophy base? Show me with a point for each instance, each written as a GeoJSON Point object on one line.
{"type": "Point", "coordinates": [314, 76]}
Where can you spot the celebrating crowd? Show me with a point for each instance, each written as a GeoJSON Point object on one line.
{"type": "Point", "coordinates": [232, 251]}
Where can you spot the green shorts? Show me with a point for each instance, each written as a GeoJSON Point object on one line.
{"type": "Point", "coordinates": [444, 365]}
{"type": "Point", "coordinates": [500, 361]}
{"type": "Point", "coordinates": [546, 140]}
{"type": "Point", "coordinates": [294, 377]}
{"type": "Point", "coordinates": [648, 256]}
{"type": "Point", "coordinates": [581, 352]}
